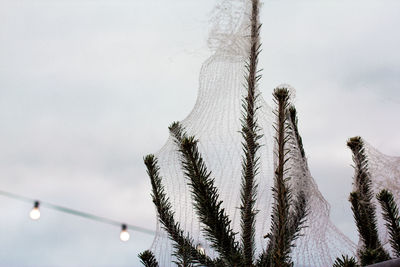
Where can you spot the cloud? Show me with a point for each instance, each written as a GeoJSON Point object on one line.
{"type": "Point", "coordinates": [89, 87]}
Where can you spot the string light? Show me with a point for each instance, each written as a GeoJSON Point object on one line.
{"type": "Point", "coordinates": [35, 212]}
{"type": "Point", "coordinates": [35, 215]}
{"type": "Point", "coordinates": [124, 235]}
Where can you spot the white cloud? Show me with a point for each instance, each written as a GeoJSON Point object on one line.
{"type": "Point", "coordinates": [89, 87]}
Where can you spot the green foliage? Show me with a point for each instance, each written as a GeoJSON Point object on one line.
{"type": "Point", "coordinates": [362, 179]}
{"type": "Point", "coordinates": [288, 214]}
{"type": "Point", "coordinates": [390, 213]}
{"type": "Point", "coordinates": [217, 225]}
{"type": "Point", "coordinates": [298, 215]}
{"type": "Point", "coordinates": [185, 250]}
{"type": "Point", "coordinates": [148, 259]}
{"type": "Point", "coordinates": [369, 256]}
{"type": "Point", "coordinates": [183, 256]}
{"type": "Point", "coordinates": [250, 144]}
{"type": "Point", "coordinates": [294, 120]}
{"type": "Point", "coordinates": [363, 209]}
{"type": "Point", "coordinates": [300, 206]}
{"type": "Point", "coordinates": [279, 239]}
{"type": "Point", "coordinates": [164, 209]}
{"type": "Point", "coordinates": [345, 261]}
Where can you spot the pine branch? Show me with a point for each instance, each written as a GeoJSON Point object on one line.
{"type": "Point", "coordinates": [250, 144]}
{"type": "Point", "coordinates": [363, 209]}
{"type": "Point", "coordinates": [361, 218]}
{"type": "Point", "coordinates": [301, 208]}
{"type": "Point", "coordinates": [390, 213]}
{"type": "Point", "coordinates": [265, 258]}
{"type": "Point", "coordinates": [298, 216]}
{"type": "Point", "coordinates": [217, 225]}
{"type": "Point", "coordinates": [183, 257]}
{"type": "Point", "coordinates": [362, 178]}
{"type": "Point", "coordinates": [368, 255]}
{"type": "Point", "coordinates": [294, 121]}
{"type": "Point", "coordinates": [345, 261]}
{"type": "Point", "coordinates": [371, 256]}
{"type": "Point", "coordinates": [182, 243]}
{"type": "Point", "coordinates": [148, 259]}
{"type": "Point", "coordinates": [280, 243]}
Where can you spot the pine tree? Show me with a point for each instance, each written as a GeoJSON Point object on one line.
{"type": "Point", "coordinates": [345, 261]}
{"type": "Point", "coordinates": [185, 250]}
{"type": "Point", "coordinates": [288, 214]}
{"type": "Point", "coordinates": [363, 208]}
{"type": "Point", "coordinates": [390, 213]}
{"type": "Point", "coordinates": [364, 213]}
{"type": "Point", "coordinates": [148, 259]}
{"type": "Point", "coordinates": [251, 136]}
{"type": "Point", "coordinates": [217, 225]}
{"type": "Point", "coordinates": [206, 201]}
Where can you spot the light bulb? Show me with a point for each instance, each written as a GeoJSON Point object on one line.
{"type": "Point", "coordinates": [124, 235]}
{"type": "Point", "coordinates": [200, 249]}
{"type": "Point", "coordinates": [35, 212]}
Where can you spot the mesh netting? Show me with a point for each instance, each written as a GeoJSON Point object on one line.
{"type": "Point", "coordinates": [385, 173]}
{"type": "Point", "coordinates": [321, 242]}
{"type": "Point", "coordinates": [215, 121]}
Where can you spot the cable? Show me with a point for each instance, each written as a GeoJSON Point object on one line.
{"type": "Point", "coordinates": [79, 214]}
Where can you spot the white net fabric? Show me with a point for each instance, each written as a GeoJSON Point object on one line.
{"type": "Point", "coordinates": [321, 242]}
{"type": "Point", "coordinates": [385, 174]}
{"type": "Point", "coordinates": [215, 121]}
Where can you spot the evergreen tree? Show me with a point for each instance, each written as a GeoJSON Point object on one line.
{"type": "Point", "coordinates": [390, 213]}
{"type": "Point", "coordinates": [148, 259]}
{"type": "Point", "coordinates": [363, 209]}
{"type": "Point", "coordinates": [250, 135]}
{"type": "Point", "coordinates": [217, 225]}
{"type": "Point", "coordinates": [185, 250]}
{"type": "Point", "coordinates": [364, 213]}
{"type": "Point", "coordinates": [288, 214]}
{"type": "Point", "coordinates": [215, 222]}
{"type": "Point", "coordinates": [345, 261]}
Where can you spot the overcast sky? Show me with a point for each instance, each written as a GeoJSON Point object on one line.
{"type": "Point", "coordinates": [87, 88]}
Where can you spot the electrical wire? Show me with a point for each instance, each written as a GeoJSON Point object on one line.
{"type": "Point", "coordinates": [77, 213]}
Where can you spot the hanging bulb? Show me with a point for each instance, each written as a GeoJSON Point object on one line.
{"type": "Point", "coordinates": [124, 235]}
{"type": "Point", "coordinates": [200, 249]}
{"type": "Point", "coordinates": [35, 212]}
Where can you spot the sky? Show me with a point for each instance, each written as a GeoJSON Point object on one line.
{"type": "Point", "coordinates": [87, 88]}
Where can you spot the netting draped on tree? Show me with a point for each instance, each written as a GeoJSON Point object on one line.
{"type": "Point", "coordinates": [215, 121]}
{"type": "Point", "coordinates": [385, 174]}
